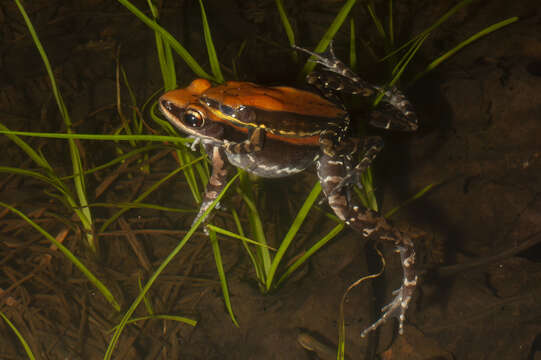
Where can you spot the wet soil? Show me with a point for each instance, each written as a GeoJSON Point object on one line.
{"type": "Point", "coordinates": [478, 144]}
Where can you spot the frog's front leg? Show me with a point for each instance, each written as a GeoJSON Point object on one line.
{"type": "Point", "coordinates": [218, 178]}
{"type": "Point", "coordinates": [217, 154]}
{"type": "Point", "coordinates": [331, 173]}
{"type": "Point", "coordinates": [254, 143]}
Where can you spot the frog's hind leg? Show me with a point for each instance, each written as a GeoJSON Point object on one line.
{"type": "Point", "coordinates": [331, 172]}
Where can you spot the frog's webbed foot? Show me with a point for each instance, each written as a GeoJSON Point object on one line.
{"type": "Point", "coordinates": [399, 305]}
{"type": "Point", "coordinates": [348, 82]}
{"type": "Point", "coordinates": [395, 112]}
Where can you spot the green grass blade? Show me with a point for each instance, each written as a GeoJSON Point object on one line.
{"type": "Point", "coordinates": [183, 53]}
{"type": "Point", "coordinates": [185, 158]}
{"type": "Point", "coordinates": [44, 59]}
{"type": "Point", "coordinates": [213, 57]}
{"type": "Point", "coordinates": [263, 256]}
{"type": "Point", "coordinates": [376, 21]}
{"type": "Point", "coordinates": [38, 158]}
{"type": "Point", "coordinates": [408, 56]}
{"type": "Point", "coordinates": [331, 235]}
{"type": "Point", "coordinates": [66, 196]}
{"type": "Point", "coordinates": [160, 138]}
{"type": "Point", "coordinates": [160, 317]}
{"type": "Point", "coordinates": [406, 60]}
{"type": "Point", "coordinates": [258, 270]}
{"type": "Point", "coordinates": [152, 279]}
{"type": "Point", "coordinates": [141, 197]}
{"type": "Point", "coordinates": [390, 30]}
{"type": "Point", "coordinates": [411, 199]}
{"type": "Point", "coordinates": [23, 342]}
{"type": "Point", "coordinates": [142, 206]}
{"type": "Point", "coordinates": [221, 274]}
{"type": "Point", "coordinates": [431, 28]}
{"type": "Point", "coordinates": [146, 300]}
{"type": "Point", "coordinates": [121, 158]}
{"type": "Point", "coordinates": [293, 229]}
{"type": "Point", "coordinates": [225, 232]}
{"type": "Point", "coordinates": [352, 45]}
{"type": "Point", "coordinates": [465, 43]}
{"type": "Point", "coordinates": [67, 253]}
{"type": "Point", "coordinates": [329, 34]}
{"type": "Point", "coordinates": [287, 27]}
{"type": "Point", "coordinates": [163, 50]}
{"type": "Point", "coordinates": [78, 179]}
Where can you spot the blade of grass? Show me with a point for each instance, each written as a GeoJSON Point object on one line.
{"type": "Point", "coordinates": [293, 229]}
{"type": "Point", "coordinates": [78, 172]}
{"type": "Point", "coordinates": [66, 196]}
{"type": "Point", "coordinates": [152, 279]}
{"type": "Point", "coordinates": [213, 57]}
{"type": "Point", "coordinates": [464, 43]}
{"type": "Point", "coordinates": [225, 232]}
{"type": "Point", "coordinates": [376, 21]}
{"type": "Point", "coordinates": [163, 50]}
{"type": "Point", "coordinates": [159, 317]}
{"type": "Point", "coordinates": [263, 256]}
{"type": "Point", "coordinates": [431, 28]}
{"type": "Point", "coordinates": [411, 199]}
{"type": "Point", "coordinates": [181, 51]}
{"type": "Point", "coordinates": [147, 192]}
{"type": "Point", "coordinates": [221, 274]}
{"type": "Point", "coordinates": [160, 138]}
{"type": "Point", "coordinates": [21, 338]}
{"type": "Point", "coordinates": [67, 253]}
{"type": "Point", "coordinates": [287, 27]}
{"type": "Point", "coordinates": [291, 268]}
{"type": "Point", "coordinates": [258, 270]}
{"type": "Point", "coordinates": [146, 300]}
{"type": "Point", "coordinates": [38, 158]}
{"type": "Point", "coordinates": [142, 206]}
{"type": "Point", "coordinates": [329, 34]}
{"type": "Point", "coordinates": [391, 25]}
{"type": "Point", "coordinates": [352, 45]}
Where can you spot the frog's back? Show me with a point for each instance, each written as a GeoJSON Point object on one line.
{"type": "Point", "coordinates": [281, 110]}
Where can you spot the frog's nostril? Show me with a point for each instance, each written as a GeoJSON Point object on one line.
{"type": "Point", "coordinates": [168, 105]}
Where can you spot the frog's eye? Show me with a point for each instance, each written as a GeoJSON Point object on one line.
{"type": "Point", "coordinates": [193, 119]}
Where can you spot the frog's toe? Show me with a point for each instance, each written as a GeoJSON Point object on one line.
{"type": "Point", "coordinates": [395, 309]}
{"type": "Point", "coordinates": [398, 307]}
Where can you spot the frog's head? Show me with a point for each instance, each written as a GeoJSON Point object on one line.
{"type": "Point", "coordinates": [182, 109]}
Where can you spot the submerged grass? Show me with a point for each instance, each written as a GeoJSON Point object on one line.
{"type": "Point", "coordinates": [21, 338]}
{"type": "Point", "coordinates": [79, 203]}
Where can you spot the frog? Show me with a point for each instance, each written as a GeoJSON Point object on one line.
{"type": "Point", "coordinates": [279, 131]}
